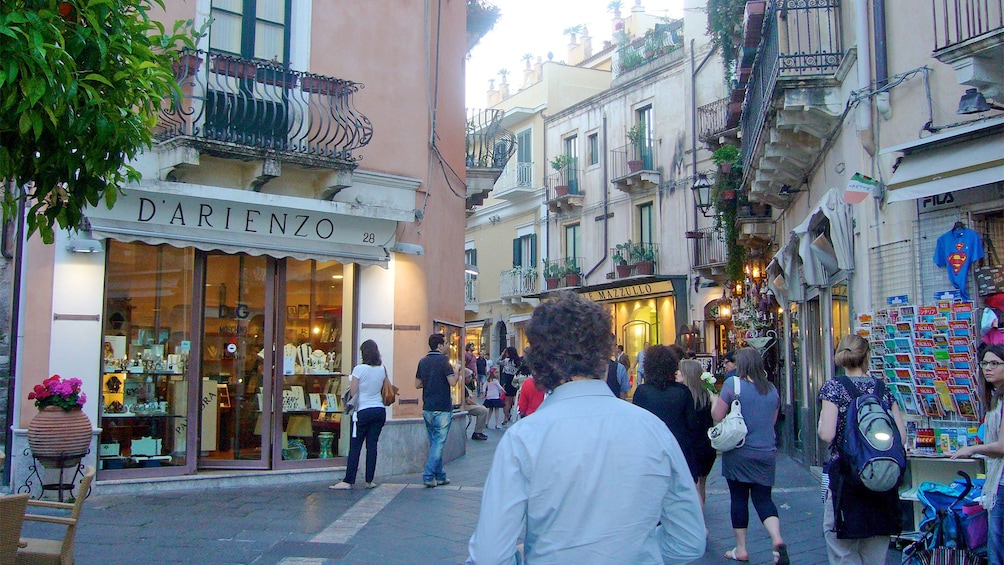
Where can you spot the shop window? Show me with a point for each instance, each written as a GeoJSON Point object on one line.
{"type": "Point", "coordinates": [146, 353]}
{"type": "Point", "coordinates": [455, 351]}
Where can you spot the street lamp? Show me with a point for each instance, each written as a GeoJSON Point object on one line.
{"type": "Point", "coordinates": [702, 194]}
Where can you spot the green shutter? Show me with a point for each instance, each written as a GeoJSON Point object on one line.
{"type": "Point", "coordinates": [517, 253]}
{"type": "Point", "coordinates": [533, 250]}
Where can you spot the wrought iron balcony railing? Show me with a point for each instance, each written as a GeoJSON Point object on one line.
{"type": "Point", "coordinates": [255, 106]}
{"type": "Point", "coordinates": [800, 40]}
{"type": "Point", "coordinates": [515, 176]}
{"type": "Point", "coordinates": [563, 183]}
{"type": "Point", "coordinates": [470, 292]}
{"type": "Point", "coordinates": [518, 281]}
{"type": "Point", "coordinates": [712, 119]}
{"type": "Point", "coordinates": [958, 21]}
{"type": "Point", "coordinates": [488, 144]}
{"type": "Point", "coordinates": [711, 249]}
{"type": "Point", "coordinates": [632, 158]}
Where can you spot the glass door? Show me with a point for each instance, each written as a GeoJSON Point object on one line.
{"type": "Point", "coordinates": [236, 367]}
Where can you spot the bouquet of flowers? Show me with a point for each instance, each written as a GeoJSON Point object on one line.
{"type": "Point", "coordinates": [708, 382]}
{"type": "Point", "coordinates": [56, 391]}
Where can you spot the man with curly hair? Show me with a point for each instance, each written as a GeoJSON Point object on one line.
{"type": "Point", "coordinates": [594, 479]}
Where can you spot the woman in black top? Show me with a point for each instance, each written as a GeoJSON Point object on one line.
{"type": "Point", "coordinates": [508, 367]}
{"type": "Point", "coordinates": [669, 400]}
{"type": "Point", "coordinates": [704, 454]}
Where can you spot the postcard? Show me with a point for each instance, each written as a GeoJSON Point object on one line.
{"type": "Point", "coordinates": [904, 394]}
{"type": "Point", "coordinates": [963, 401]}
{"type": "Point", "coordinates": [930, 404]}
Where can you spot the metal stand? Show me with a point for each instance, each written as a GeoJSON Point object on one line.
{"type": "Point", "coordinates": [63, 462]}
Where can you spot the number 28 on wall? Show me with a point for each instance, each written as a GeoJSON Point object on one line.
{"type": "Point", "coordinates": [369, 237]}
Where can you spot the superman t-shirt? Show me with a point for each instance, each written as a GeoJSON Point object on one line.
{"type": "Point", "coordinates": [956, 250]}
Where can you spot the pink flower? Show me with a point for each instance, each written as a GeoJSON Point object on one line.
{"type": "Point", "coordinates": [54, 391]}
{"type": "Point", "coordinates": [81, 399]}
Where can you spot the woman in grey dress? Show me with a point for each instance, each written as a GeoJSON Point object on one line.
{"type": "Point", "coordinates": [749, 470]}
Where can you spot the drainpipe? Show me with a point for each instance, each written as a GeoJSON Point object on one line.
{"type": "Point", "coordinates": [14, 337]}
{"type": "Point", "coordinates": [606, 207]}
{"type": "Point", "coordinates": [881, 59]}
{"type": "Point", "coordinates": [864, 116]}
{"type": "Point", "coordinates": [693, 128]}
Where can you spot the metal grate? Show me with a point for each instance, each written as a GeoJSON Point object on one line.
{"type": "Point", "coordinates": [933, 278]}
{"type": "Point", "coordinates": [991, 229]}
{"type": "Point", "coordinates": [892, 272]}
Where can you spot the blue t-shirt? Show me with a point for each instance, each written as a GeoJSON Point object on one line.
{"type": "Point", "coordinates": [957, 250]}
{"type": "Point", "coordinates": [433, 371]}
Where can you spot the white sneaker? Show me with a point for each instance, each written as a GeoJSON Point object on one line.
{"type": "Point", "coordinates": [341, 485]}
{"type": "Point", "coordinates": [371, 485]}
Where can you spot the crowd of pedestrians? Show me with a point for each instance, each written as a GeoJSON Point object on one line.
{"type": "Point", "coordinates": [576, 442]}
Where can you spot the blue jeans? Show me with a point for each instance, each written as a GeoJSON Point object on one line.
{"type": "Point", "coordinates": [995, 537]}
{"type": "Point", "coordinates": [437, 425]}
{"type": "Point", "coordinates": [370, 422]}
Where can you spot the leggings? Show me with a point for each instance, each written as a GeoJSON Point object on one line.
{"type": "Point", "coordinates": [741, 493]}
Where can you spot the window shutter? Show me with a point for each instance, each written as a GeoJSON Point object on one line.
{"type": "Point", "coordinates": [474, 257]}
{"type": "Point", "coordinates": [533, 250]}
{"type": "Point", "coordinates": [517, 253]}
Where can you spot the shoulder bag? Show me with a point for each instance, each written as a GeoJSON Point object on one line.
{"type": "Point", "coordinates": [388, 392]}
{"type": "Point", "coordinates": [730, 433]}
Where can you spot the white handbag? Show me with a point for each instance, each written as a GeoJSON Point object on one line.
{"type": "Point", "coordinates": [730, 433]}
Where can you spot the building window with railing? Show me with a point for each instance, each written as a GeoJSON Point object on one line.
{"type": "Point", "coordinates": [643, 118]}
{"type": "Point", "coordinates": [572, 152]}
{"type": "Point", "coordinates": [594, 149]}
{"type": "Point", "coordinates": [524, 158]}
{"type": "Point", "coordinates": [646, 229]}
{"type": "Point", "coordinates": [251, 28]}
{"type": "Point", "coordinates": [524, 251]}
{"type": "Point", "coordinates": [572, 240]}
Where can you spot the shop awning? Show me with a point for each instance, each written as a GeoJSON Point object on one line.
{"type": "Point", "coordinates": [963, 158]}
{"type": "Point", "coordinates": [234, 221]}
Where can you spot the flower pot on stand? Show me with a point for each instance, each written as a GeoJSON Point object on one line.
{"type": "Point", "coordinates": [59, 437]}
{"type": "Point", "coordinates": [645, 267]}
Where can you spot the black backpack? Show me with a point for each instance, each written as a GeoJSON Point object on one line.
{"type": "Point", "coordinates": [872, 448]}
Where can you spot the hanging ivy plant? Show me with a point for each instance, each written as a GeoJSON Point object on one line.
{"type": "Point", "coordinates": [725, 197]}
{"type": "Point", "coordinates": [725, 18]}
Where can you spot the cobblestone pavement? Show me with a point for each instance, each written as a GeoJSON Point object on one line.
{"type": "Point", "coordinates": [401, 522]}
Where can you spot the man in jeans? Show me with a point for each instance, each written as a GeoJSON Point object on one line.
{"type": "Point", "coordinates": [435, 376]}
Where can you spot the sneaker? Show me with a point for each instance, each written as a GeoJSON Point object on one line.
{"type": "Point", "coordinates": [371, 485]}
{"type": "Point", "coordinates": [479, 436]}
{"type": "Point", "coordinates": [341, 485]}
{"type": "Point", "coordinates": [443, 481]}
{"type": "Point", "coordinates": [429, 483]}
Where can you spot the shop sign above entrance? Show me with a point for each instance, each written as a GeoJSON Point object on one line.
{"type": "Point", "coordinates": [628, 292]}
{"type": "Point", "coordinates": [211, 218]}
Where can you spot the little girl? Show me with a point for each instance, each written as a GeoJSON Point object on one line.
{"type": "Point", "coordinates": [493, 397]}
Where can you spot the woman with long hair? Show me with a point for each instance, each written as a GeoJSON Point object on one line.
{"type": "Point", "coordinates": [369, 417]}
{"type": "Point", "coordinates": [509, 365]}
{"type": "Point", "coordinates": [992, 367]}
{"type": "Point", "coordinates": [871, 536]}
{"type": "Point", "coordinates": [704, 455]}
{"type": "Point", "coordinates": [668, 399]}
{"type": "Point", "coordinates": [749, 470]}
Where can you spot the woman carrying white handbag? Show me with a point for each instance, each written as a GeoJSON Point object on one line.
{"type": "Point", "coordinates": [749, 468]}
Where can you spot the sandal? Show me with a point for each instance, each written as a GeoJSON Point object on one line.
{"type": "Point", "coordinates": [781, 555]}
{"type": "Point", "coordinates": [731, 555]}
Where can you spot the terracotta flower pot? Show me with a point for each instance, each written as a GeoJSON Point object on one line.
{"type": "Point", "coordinates": [623, 270]}
{"type": "Point", "coordinates": [560, 190]}
{"type": "Point", "coordinates": [634, 166]}
{"type": "Point", "coordinates": [55, 434]}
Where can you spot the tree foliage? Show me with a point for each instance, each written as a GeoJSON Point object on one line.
{"type": "Point", "coordinates": [81, 84]}
{"type": "Point", "coordinates": [725, 18]}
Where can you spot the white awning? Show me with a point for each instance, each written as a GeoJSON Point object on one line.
{"type": "Point", "coordinates": [957, 160]}
{"type": "Point", "coordinates": [236, 221]}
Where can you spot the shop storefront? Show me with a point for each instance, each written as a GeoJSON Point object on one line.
{"type": "Point", "coordinates": [228, 327]}
{"type": "Point", "coordinates": [649, 311]}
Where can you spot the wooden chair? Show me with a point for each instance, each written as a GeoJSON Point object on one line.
{"type": "Point", "coordinates": [12, 510]}
{"type": "Point", "coordinates": [58, 552]}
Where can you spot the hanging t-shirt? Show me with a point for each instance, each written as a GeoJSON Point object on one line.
{"type": "Point", "coordinates": [956, 251]}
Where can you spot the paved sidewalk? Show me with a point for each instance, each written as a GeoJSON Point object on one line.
{"type": "Point", "coordinates": [401, 522]}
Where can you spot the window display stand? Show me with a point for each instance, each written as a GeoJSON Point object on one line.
{"type": "Point", "coordinates": [63, 463]}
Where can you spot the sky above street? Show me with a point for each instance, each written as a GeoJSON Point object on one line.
{"type": "Point", "coordinates": [535, 27]}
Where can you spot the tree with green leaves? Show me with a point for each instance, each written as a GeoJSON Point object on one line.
{"type": "Point", "coordinates": [81, 85]}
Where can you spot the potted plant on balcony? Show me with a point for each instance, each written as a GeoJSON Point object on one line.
{"type": "Point", "coordinates": [636, 135]}
{"type": "Point", "coordinates": [622, 252]}
{"type": "Point", "coordinates": [644, 258]}
{"type": "Point", "coordinates": [560, 163]}
{"type": "Point", "coordinates": [726, 157]}
{"type": "Point", "coordinates": [552, 274]}
{"type": "Point", "coordinates": [571, 273]}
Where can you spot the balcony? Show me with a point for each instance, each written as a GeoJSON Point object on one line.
{"type": "Point", "coordinates": [711, 253]}
{"type": "Point", "coordinates": [797, 67]}
{"type": "Point", "coordinates": [718, 119]}
{"type": "Point", "coordinates": [634, 259]}
{"type": "Point", "coordinates": [634, 168]}
{"type": "Point", "coordinates": [517, 283]}
{"type": "Point", "coordinates": [488, 148]}
{"type": "Point", "coordinates": [563, 192]}
{"type": "Point", "coordinates": [516, 182]}
{"type": "Point", "coordinates": [969, 36]}
{"type": "Point", "coordinates": [563, 273]}
{"type": "Point", "coordinates": [471, 302]}
{"type": "Point", "coordinates": [256, 110]}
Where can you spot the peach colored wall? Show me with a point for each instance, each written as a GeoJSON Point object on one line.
{"type": "Point", "coordinates": [36, 322]}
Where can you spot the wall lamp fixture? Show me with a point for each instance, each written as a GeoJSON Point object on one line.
{"type": "Point", "coordinates": [494, 219]}
{"type": "Point", "coordinates": [786, 190]}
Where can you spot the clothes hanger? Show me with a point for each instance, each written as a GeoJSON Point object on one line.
{"type": "Point", "coordinates": [959, 225]}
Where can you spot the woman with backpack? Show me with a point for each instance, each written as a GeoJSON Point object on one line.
{"type": "Point", "coordinates": [749, 469]}
{"type": "Point", "coordinates": [870, 517]}
{"type": "Point", "coordinates": [992, 364]}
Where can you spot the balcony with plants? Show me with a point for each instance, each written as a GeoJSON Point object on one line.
{"type": "Point", "coordinates": [488, 148]}
{"type": "Point", "coordinates": [563, 191]}
{"type": "Point", "coordinates": [634, 53]}
{"type": "Point", "coordinates": [969, 35]}
{"type": "Point", "coordinates": [635, 259]}
{"type": "Point", "coordinates": [255, 110]}
{"type": "Point", "coordinates": [634, 165]}
{"type": "Point", "coordinates": [565, 272]}
{"type": "Point", "coordinates": [518, 283]}
{"type": "Point", "coordinates": [481, 18]}
{"type": "Point", "coordinates": [786, 60]}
